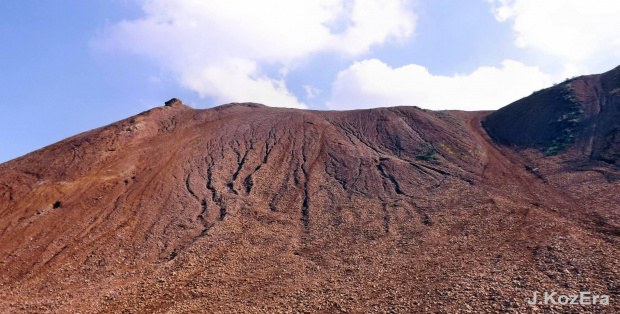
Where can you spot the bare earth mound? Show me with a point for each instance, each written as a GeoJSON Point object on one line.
{"type": "Point", "coordinates": [247, 208]}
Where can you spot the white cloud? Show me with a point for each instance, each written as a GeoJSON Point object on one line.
{"type": "Point", "coordinates": [217, 47]}
{"type": "Point", "coordinates": [584, 34]}
{"type": "Point", "coordinates": [372, 83]}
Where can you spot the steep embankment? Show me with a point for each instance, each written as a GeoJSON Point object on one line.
{"type": "Point", "coordinates": [580, 115]}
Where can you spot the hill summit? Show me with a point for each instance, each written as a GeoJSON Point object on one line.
{"type": "Point", "coordinates": [249, 208]}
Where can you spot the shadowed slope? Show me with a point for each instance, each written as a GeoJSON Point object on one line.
{"type": "Point", "coordinates": [582, 113]}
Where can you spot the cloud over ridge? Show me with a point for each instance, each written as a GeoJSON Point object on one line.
{"type": "Point", "coordinates": [372, 83]}
{"type": "Point", "coordinates": [217, 47]}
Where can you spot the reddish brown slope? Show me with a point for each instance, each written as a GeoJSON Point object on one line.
{"type": "Point", "coordinates": [250, 208]}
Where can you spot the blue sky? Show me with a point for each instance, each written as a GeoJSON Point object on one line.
{"type": "Point", "coordinates": [69, 66]}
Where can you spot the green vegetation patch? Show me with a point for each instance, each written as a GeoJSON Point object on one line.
{"type": "Point", "coordinates": [427, 152]}
{"type": "Point", "coordinates": [568, 123]}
